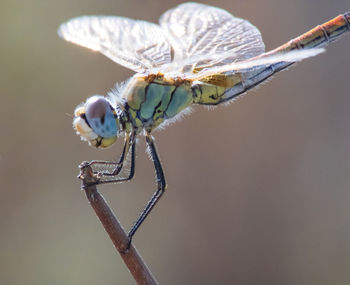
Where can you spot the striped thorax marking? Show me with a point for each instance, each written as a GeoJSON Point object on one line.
{"type": "Point", "coordinates": [153, 98]}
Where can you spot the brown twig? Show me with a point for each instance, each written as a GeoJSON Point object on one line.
{"type": "Point", "coordinates": [131, 257]}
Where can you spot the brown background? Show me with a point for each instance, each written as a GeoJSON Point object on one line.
{"type": "Point", "coordinates": [258, 190]}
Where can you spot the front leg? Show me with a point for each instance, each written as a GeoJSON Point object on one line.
{"type": "Point", "coordinates": [129, 145]}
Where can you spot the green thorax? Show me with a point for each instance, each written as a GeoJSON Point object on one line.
{"type": "Point", "coordinates": [151, 100]}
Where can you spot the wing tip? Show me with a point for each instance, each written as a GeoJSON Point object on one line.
{"type": "Point", "coordinates": [63, 29]}
{"type": "Point", "coordinates": [60, 30]}
{"type": "Point", "coordinates": [70, 32]}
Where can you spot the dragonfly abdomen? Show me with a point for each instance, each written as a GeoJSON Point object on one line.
{"type": "Point", "coordinates": [209, 91]}
{"type": "Point", "coordinates": [150, 102]}
{"type": "Point", "coordinates": [219, 88]}
{"type": "Point", "coordinates": [319, 36]}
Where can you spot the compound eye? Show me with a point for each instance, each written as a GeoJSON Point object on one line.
{"type": "Point", "coordinates": [100, 117]}
{"type": "Point", "coordinates": [96, 108]}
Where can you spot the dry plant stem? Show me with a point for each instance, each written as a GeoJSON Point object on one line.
{"type": "Point", "coordinates": [131, 257]}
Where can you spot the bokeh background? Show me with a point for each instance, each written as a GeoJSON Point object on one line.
{"type": "Point", "coordinates": [259, 191]}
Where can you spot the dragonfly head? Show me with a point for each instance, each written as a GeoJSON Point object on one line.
{"type": "Point", "coordinates": [96, 122]}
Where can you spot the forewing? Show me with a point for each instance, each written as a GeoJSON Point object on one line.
{"type": "Point", "coordinates": [137, 45]}
{"type": "Point", "coordinates": [261, 62]}
{"type": "Point", "coordinates": [204, 36]}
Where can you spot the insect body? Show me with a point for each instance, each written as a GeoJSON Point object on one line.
{"type": "Point", "coordinates": [153, 99]}
{"type": "Point", "coordinates": [197, 55]}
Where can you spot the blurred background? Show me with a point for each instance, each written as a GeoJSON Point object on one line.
{"type": "Point", "coordinates": [258, 191]}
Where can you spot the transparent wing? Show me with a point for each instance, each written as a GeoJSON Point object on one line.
{"type": "Point", "coordinates": [137, 45]}
{"type": "Point", "coordinates": [261, 61]}
{"type": "Point", "coordinates": [204, 36]}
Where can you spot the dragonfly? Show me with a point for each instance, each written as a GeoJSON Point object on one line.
{"type": "Point", "coordinates": [196, 55]}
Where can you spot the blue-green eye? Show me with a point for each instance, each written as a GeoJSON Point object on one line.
{"type": "Point", "coordinates": [100, 117]}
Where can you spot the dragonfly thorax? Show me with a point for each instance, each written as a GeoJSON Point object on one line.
{"type": "Point", "coordinates": [97, 122]}
{"type": "Point", "coordinates": [153, 99]}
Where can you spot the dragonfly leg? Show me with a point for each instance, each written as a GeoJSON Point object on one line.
{"type": "Point", "coordinates": [161, 185]}
{"type": "Point", "coordinates": [120, 166]}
